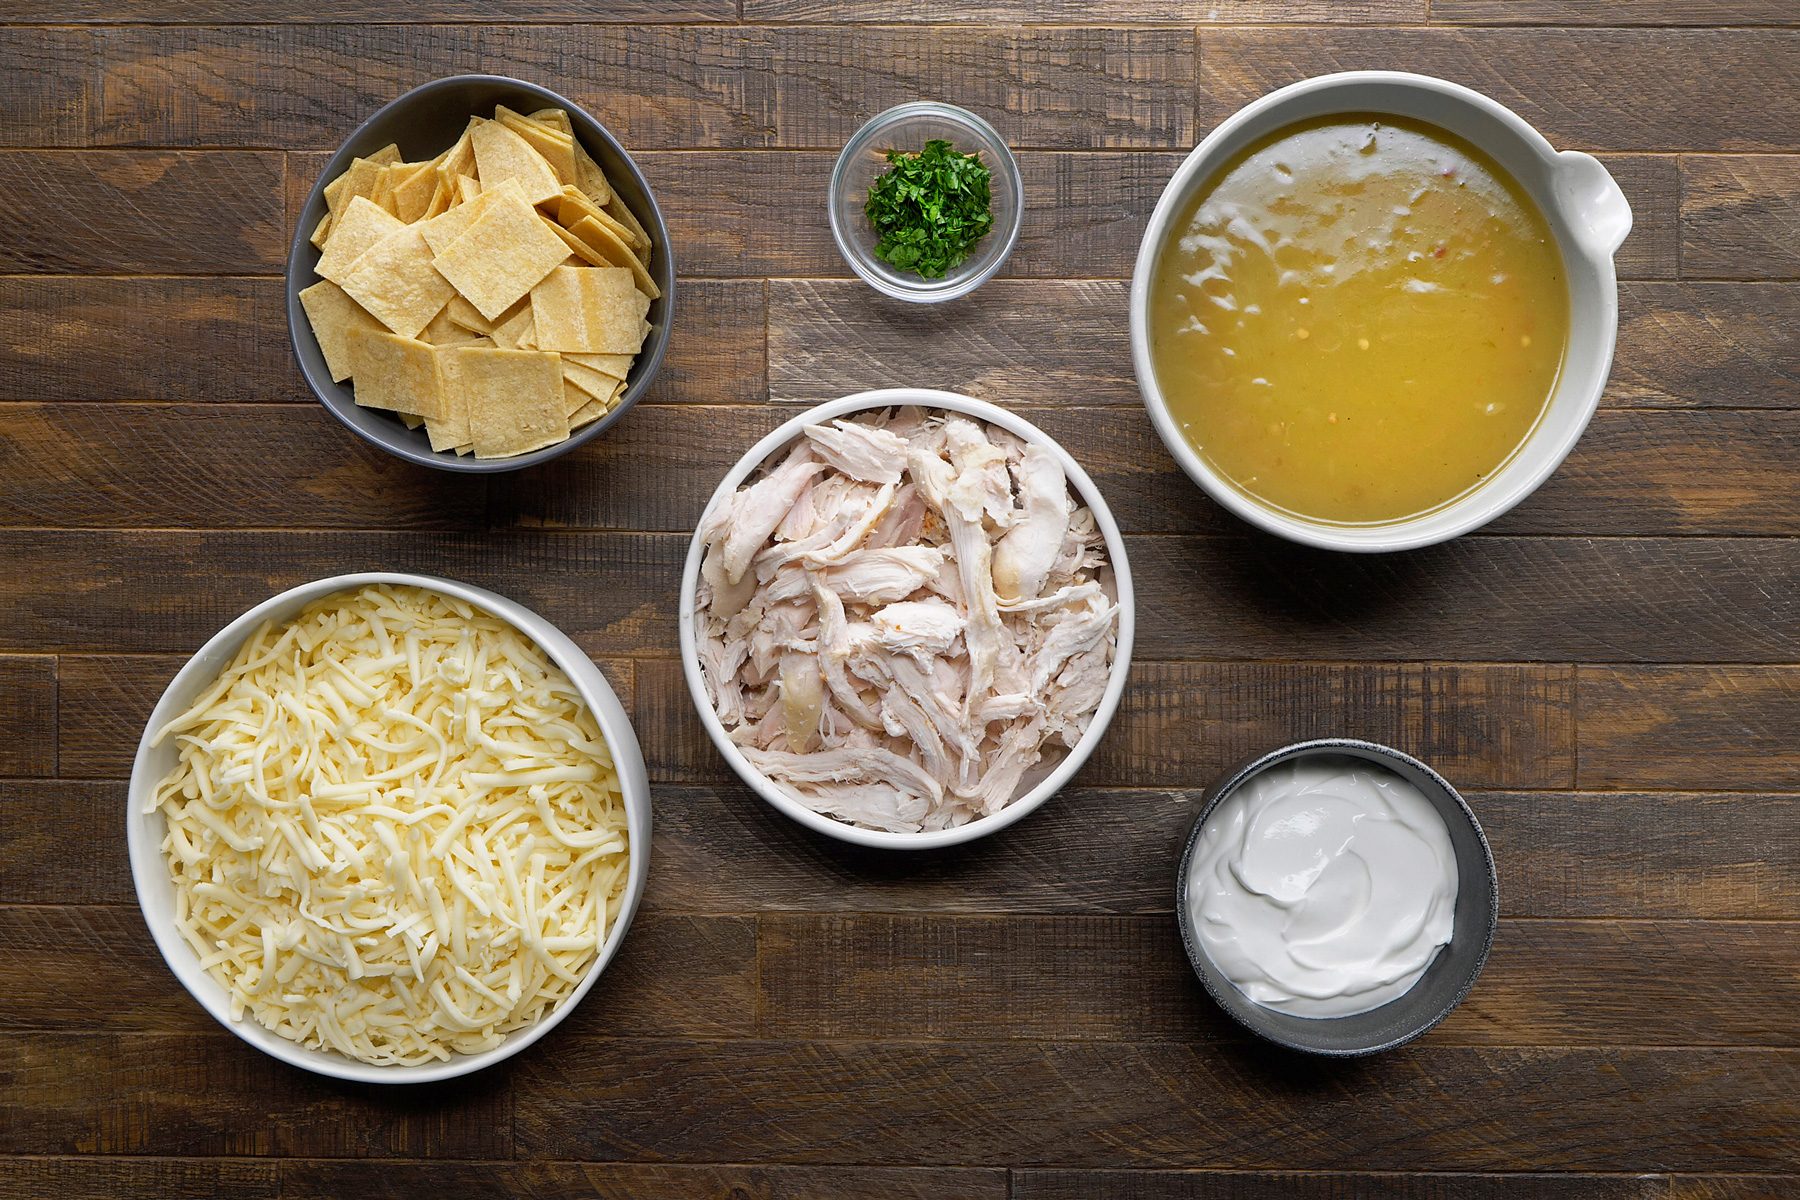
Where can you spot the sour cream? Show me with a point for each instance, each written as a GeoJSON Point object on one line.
{"type": "Point", "coordinates": [1323, 887]}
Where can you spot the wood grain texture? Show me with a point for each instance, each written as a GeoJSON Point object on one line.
{"type": "Point", "coordinates": [1673, 725]}
{"type": "Point", "coordinates": [28, 697]}
{"type": "Point", "coordinates": [1695, 345]}
{"type": "Point", "coordinates": [1126, 12]}
{"type": "Point", "coordinates": [61, 843]}
{"type": "Point", "coordinates": [73, 338]}
{"type": "Point", "coordinates": [1235, 1185]}
{"type": "Point", "coordinates": [1113, 851]}
{"type": "Point", "coordinates": [1546, 983]}
{"type": "Point", "coordinates": [137, 1179]}
{"type": "Point", "coordinates": [92, 970]}
{"type": "Point", "coordinates": [1739, 216]}
{"type": "Point", "coordinates": [110, 212]}
{"type": "Point", "coordinates": [1666, 89]}
{"type": "Point", "coordinates": [1084, 218]}
{"type": "Point", "coordinates": [321, 1180]}
{"type": "Point", "coordinates": [1613, 12]}
{"type": "Point", "coordinates": [182, 12]}
{"type": "Point", "coordinates": [1691, 599]}
{"type": "Point", "coordinates": [208, 1094]}
{"type": "Point", "coordinates": [1038, 343]}
{"type": "Point", "coordinates": [73, 465]}
{"type": "Point", "coordinates": [654, 86]}
{"type": "Point", "coordinates": [1153, 1104]}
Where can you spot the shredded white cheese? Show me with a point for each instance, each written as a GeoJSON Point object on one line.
{"type": "Point", "coordinates": [394, 830]}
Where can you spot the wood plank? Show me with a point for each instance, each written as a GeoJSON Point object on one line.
{"type": "Point", "coordinates": [655, 86]}
{"type": "Point", "coordinates": [1660, 473]}
{"type": "Point", "coordinates": [137, 1179]}
{"type": "Point", "coordinates": [60, 843]}
{"type": "Point", "coordinates": [1124, 12]}
{"type": "Point", "coordinates": [93, 970]}
{"type": "Point", "coordinates": [1559, 854]}
{"type": "Point", "coordinates": [1184, 724]}
{"type": "Point", "coordinates": [111, 212]}
{"type": "Point", "coordinates": [110, 699]}
{"type": "Point", "coordinates": [28, 697]}
{"type": "Point", "coordinates": [1239, 1185]}
{"type": "Point", "coordinates": [1085, 212]}
{"type": "Point", "coordinates": [1709, 600]}
{"type": "Point", "coordinates": [1738, 215]}
{"type": "Point", "coordinates": [1022, 1104]}
{"type": "Point", "coordinates": [184, 12]}
{"type": "Point", "coordinates": [181, 1094]}
{"type": "Point", "coordinates": [1546, 983]}
{"type": "Point", "coordinates": [1612, 12]}
{"type": "Point", "coordinates": [1667, 89]}
{"type": "Point", "coordinates": [109, 465]}
{"type": "Point", "coordinates": [70, 338]}
{"type": "Point", "coordinates": [1733, 1187]}
{"type": "Point", "coordinates": [635, 1181]}
{"type": "Point", "coordinates": [1697, 727]}
{"type": "Point", "coordinates": [1694, 345]}
{"type": "Point", "coordinates": [1690, 345]}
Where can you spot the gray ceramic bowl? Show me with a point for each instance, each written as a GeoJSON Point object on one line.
{"type": "Point", "coordinates": [1451, 974]}
{"type": "Point", "coordinates": [423, 122]}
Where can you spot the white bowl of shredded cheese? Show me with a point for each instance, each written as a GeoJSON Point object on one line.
{"type": "Point", "coordinates": [373, 832]}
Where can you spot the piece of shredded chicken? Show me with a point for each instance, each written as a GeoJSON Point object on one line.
{"type": "Point", "coordinates": [906, 619]}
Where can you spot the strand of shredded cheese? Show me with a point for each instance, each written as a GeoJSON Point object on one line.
{"type": "Point", "coordinates": [394, 828]}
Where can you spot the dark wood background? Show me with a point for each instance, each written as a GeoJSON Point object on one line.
{"type": "Point", "coordinates": [1610, 672]}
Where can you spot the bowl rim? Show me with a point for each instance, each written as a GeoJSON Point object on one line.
{"type": "Point", "coordinates": [148, 868]}
{"type": "Point", "coordinates": [1236, 777]}
{"type": "Point", "coordinates": [303, 258]}
{"type": "Point", "coordinates": [1473, 508]}
{"type": "Point", "coordinates": [926, 291]}
{"type": "Point", "coordinates": [1120, 669]}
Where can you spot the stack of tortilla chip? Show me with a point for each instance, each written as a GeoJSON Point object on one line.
{"type": "Point", "coordinates": [495, 294]}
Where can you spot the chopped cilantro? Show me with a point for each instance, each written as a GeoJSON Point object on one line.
{"type": "Point", "coordinates": [930, 208]}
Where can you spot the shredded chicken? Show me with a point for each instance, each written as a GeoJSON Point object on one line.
{"type": "Point", "coordinates": [906, 620]}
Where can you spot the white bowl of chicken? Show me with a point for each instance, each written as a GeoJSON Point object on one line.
{"type": "Point", "coordinates": [906, 618]}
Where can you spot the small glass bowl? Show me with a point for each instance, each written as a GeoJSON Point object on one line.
{"type": "Point", "coordinates": [908, 127]}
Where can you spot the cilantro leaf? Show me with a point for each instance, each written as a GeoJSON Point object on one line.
{"type": "Point", "coordinates": [930, 208]}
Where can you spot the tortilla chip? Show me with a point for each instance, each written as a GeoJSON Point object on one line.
{"type": "Point", "coordinates": [442, 331]}
{"type": "Point", "coordinates": [515, 400]}
{"type": "Point", "coordinates": [592, 411]}
{"type": "Point", "coordinates": [321, 231]}
{"type": "Point", "coordinates": [468, 188]}
{"type": "Point", "coordinates": [386, 156]}
{"type": "Point", "coordinates": [574, 399]}
{"type": "Point", "coordinates": [358, 179]}
{"type": "Point", "coordinates": [397, 374]}
{"type": "Point", "coordinates": [590, 178]}
{"type": "Point", "coordinates": [608, 246]}
{"type": "Point", "coordinates": [466, 315]}
{"type": "Point", "coordinates": [502, 154]}
{"type": "Point", "coordinates": [553, 146]}
{"type": "Point", "coordinates": [574, 205]}
{"type": "Point", "coordinates": [501, 255]}
{"type": "Point", "coordinates": [413, 192]}
{"type": "Point", "coordinates": [556, 118]}
{"type": "Point", "coordinates": [394, 280]}
{"type": "Point", "coordinates": [616, 365]}
{"type": "Point", "coordinates": [446, 227]}
{"type": "Point", "coordinates": [459, 160]}
{"type": "Point", "coordinates": [589, 310]}
{"type": "Point", "coordinates": [362, 224]}
{"type": "Point", "coordinates": [620, 212]}
{"type": "Point", "coordinates": [383, 191]}
{"type": "Point", "coordinates": [332, 315]}
{"type": "Point", "coordinates": [598, 386]}
{"type": "Point", "coordinates": [452, 429]}
{"type": "Point", "coordinates": [516, 328]}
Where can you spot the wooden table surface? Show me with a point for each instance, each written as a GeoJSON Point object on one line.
{"type": "Point", "coordinates": [1609, 671]}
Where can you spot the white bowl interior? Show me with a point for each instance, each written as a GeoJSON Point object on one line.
{"type": "Point", "coordinates": [156, 891]}
{"type": "Point", "coordinates": [1587, 213]}
{"type": "Point", "coordinates": [1038, 785]}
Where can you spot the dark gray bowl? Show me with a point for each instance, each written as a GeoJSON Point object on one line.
{"type": "Point", "coordinates": [1451, 974]}
{"type": "Point", "coordinates": [423, 122]}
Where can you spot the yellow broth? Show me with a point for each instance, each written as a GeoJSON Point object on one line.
{"type": "Point", "coordinates": [1359, 319]}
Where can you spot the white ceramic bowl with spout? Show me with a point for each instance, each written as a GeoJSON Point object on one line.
{"type": "Point", "coordinates": [1588, 215]}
